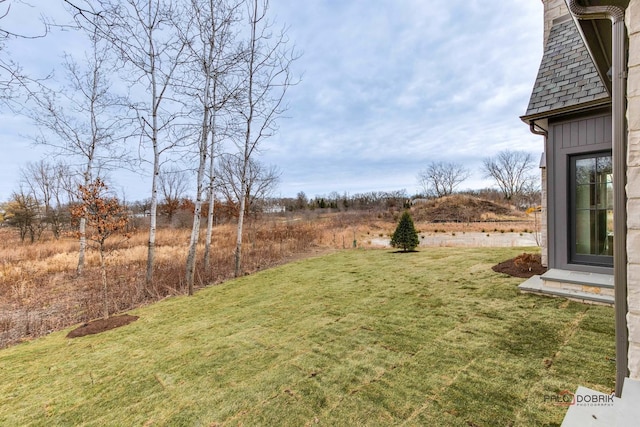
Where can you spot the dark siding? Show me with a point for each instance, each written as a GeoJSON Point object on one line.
{"type": "Point", "coordinates": [567, 138]}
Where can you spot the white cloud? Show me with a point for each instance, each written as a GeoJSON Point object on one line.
{"type": "Point", "coordinates": [390, 85]}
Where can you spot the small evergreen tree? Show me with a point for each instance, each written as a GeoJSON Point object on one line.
{"type": "Point", "coordinates": [405, 236]}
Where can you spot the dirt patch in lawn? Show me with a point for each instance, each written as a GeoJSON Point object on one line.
{"type": "Point", "coordinates": [101, 325]}
{"type": "Point", "coordinates": [524, 265]}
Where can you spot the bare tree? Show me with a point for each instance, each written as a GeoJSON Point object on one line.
{"type": "Point", "coordinates": [531, 195]}
{"type": "Point", "coordinates": [267, 69]}
{"type": "Point", "coordinates": [441, 179]}
{"type": "Point", "coordinates": [46, 184]}
{"type": "Point", "coordinates": [82, 117]}
{"type": "Point", "coordinates": [144, 34]}
{"type": "Point", "coordinates": [173, 183]}
{"type": "Point", "coordinates": [301, 201]}
{"type": "Point", "coordinates": [24, 212]}
{"type": "Point", "coordinates": [511, 172]}
{"type": "Point", "coordinates": [212, 57]}
{"type": "Point", "coordinates": [260, 182]}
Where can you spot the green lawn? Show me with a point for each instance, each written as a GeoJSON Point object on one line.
{"type": "Point", "coordinates": [432, 338]}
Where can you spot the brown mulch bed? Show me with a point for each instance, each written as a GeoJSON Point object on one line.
{"type": "Point", "coordinates": [524, 266]}
{"type": "Point", "coordinates": [101, 325]}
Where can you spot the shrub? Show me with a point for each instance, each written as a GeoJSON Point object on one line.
{"type": "Point", "coordinates": [526, 261]}
{"type": "Point", "coordinates": [405, 236]}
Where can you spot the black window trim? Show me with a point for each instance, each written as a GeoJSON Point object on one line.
{"type": "Point", "coordinates": [574, 258]}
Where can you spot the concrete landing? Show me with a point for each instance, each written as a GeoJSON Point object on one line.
{"type": "Point", "coordinates": [537, 285]}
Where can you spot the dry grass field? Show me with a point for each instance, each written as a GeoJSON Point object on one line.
{"type": "Point", "coordinates": [40, 292]}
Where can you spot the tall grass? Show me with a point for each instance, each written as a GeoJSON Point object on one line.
{"type": "Point", "coordinates": [40, 293]}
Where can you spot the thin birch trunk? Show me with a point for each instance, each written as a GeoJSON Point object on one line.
{"type": "Point", "coordinates": [238, 254]}
{"type": "Point", "coordinates": [195, 229]}
{"type": "Point", "coordinates": [211, 198]}
{"type": "Point", "coordinates": [195, 232]}
{"type": "Point", "coordinates": [267, 70]}
{"type": "Point", "coordinates": [103, 274]}
{"type": "Point", "coordinates": [247, 140]}
{"type": "Point", "coordinates": [82, 228]}
{"type": "Point", "coordinates": [153, 209]}
{"type": "Point", "coordinates": [151, 248]}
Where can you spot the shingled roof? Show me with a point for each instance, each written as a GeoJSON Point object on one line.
{"type": "Point", "coordinates": [567, 77]}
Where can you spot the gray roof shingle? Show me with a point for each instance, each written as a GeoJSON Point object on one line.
{"type": "Point", "coordinates": [567, 76]}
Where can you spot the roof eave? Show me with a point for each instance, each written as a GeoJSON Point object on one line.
{"type": "Point", "coordinates": [596, 103]}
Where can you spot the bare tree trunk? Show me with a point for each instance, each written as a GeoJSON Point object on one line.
{"type": "Point", "coordinates": [267, 79]}
{"type": "Point", "coordinates": [155, 101]}
{"type": "Point", "coordinates": [214, 55]}
{"type": "Point", "coordinates": [195, 229]}
{"type": "Point", "coordinates": [153, 210]}
{"type": "Point", "coordinates": [211, 198]}
{"type": "Point", "coordinates": [247, 136]}
{"type": "Point", "coordinates": [145, 35]}
{"type": "Point", "coordinates": [243, 176]}
{"type": "Point", "coordinates": [103, 274]}
{"type": "Point", "coordinates": [211, 50]}
{"type": "Point", "coordinates": [82, 228]}
{"type": "Point", "coordinates": [193, 243]}
{"type": "Point", "coordinates": [238, 254]}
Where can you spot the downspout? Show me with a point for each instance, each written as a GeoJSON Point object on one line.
{"type": "Point", "coordinates": [544, 244]}
{"type": "Point", "coordinates": [539, 131]}
{"type": "Point", "coordinates": [618, 77]}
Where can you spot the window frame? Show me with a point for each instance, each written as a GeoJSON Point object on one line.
{"type": "Point", "coordinates": [574, 256]}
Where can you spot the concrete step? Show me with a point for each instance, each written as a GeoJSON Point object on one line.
{"type": "Point", "coordinates": [582, 278]}
{"type": "Point", "coordinates": [579, 281]}
{"type": "Point", "coordinates": [537, 285]}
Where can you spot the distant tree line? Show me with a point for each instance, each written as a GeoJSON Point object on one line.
{"type": "Point", "coordinates": [371, 201]}
{"type": "Point", "coordinates": [48, 192]}
{"type": "Point", "coordinates": [512, 171]}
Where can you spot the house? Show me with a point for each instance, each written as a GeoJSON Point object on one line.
{"type": "Point", "coordinates": [586, 105]}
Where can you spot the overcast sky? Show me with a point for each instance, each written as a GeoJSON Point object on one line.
{"type": "Point", "coordinates": [387, 87]}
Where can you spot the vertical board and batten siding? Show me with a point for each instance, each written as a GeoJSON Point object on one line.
{"type": "Point", "coordinates": [567, 138]}
{"type": "Point", "coordinates": [582, 133]}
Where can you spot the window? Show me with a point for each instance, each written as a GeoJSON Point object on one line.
{"type": "Point", "coordinates": [591, 209]}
